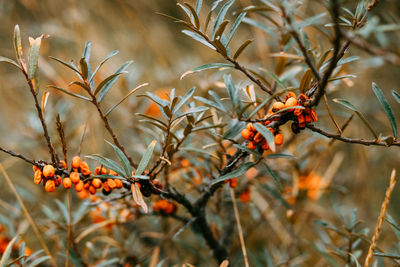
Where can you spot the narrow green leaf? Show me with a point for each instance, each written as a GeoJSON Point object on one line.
{"type": "Point", "coordinates": [38, 261]}
{"type": "Point", "coordinates": [221, 15]}
{"type": "Point", "coordinates": [184, 99]}
{"type": "Point", "coordinates": [242, 48]}
{"type": "Point", "coordinates": [194, 15]}
{"type": "Point", "coordinates": [232, 90]}
{"type": "Point", "coordinates": [208, 67]}
{"type": "Point", "coordinates": [105, 81]}
{"type": "Point", "coordinates": [396, 96]}
{"type": "Point", "coordinates": [348, 105]}
{"type": "Point", "coordinates": [235, 27]}
{"type": "Point", "coordinates": [113, 53]}
{"type": "Point", "coordinates": [86, 56]}
{"type": "Point", "coordinates": [198, 38]}
{"type": "Point", "coordinates": [146, 158]}
{"type": "Point", "coordinates": [267, 135]}
{"type": "Point", "coordinates": [108, 163]}
{"type": "Point", "coordinates": [382, 99]}
{"type": "Point", "coordinates": [260, 106]}
{"type": "Point", "coordinates": [9, 61]}
{"type": "Point", "coordinates": [248, 150]}
{"type": "Point", "coordinates": [273, 175]}
{"type": "Point", "coordinates": [69, 93]}
{"type": "Point", "coordinates": [84, 68]}
{"type": "Point", "coordinates": [261, 26]}
{"type": "Point", "coordinates": [199, 3]}
{"type": "Point", "coordinates": [387, 255]}
{"type": "Point", "coordinates": [33, 56]}
{"type": "Point", "coordinates": [239, 171]}
{"type": "Point", "coordinates": [151, 118]}
{"type": "Point", "coordinates": [210, 103]}
{"type": "Point", "coordinates": [123, 159]}
{"type": "Point", "coordinates": [72, 67]}
{"type": "Point", "coordinates": [111, 82]}
{"type": "Point", "coordinates": [125, 97]}
{"type": "Point", "coordinates": [279, 82]}
{"type": "Point", "coordinates": [17, 43]}
{"type": "Point", "coordinates": [192, 110]}
{"type": "Point", "coordinates": [221, 29]}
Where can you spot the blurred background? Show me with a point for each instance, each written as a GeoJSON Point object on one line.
{"type": "Point", "coordinates": [161, 54]}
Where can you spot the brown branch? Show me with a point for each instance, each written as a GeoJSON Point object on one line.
{"type": "Point", "coordinates": [30, 161]}
{"type": "Point", "coordinates": [352, 140]}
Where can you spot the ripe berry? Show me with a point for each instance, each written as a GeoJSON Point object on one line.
{"type": "Point", "coordinates": [38, 177]}
{"type": "Point", "coordinates": [251, 145]}
{"type": "Point", "coordinates": [291, 102]}
{"type": "Point", "coordinates": [277, 106]}
{"type": "Point", "coordinates": [314, 115]}
{"type": "Point", "coordinates": [48, 171]}
{"type": "Point", "coordinates": [35, 168]}
{"type": "Point", "coordinates": [258, 138]}
{"type": "Point", "coordinates": [50, 186]}
{"type": "Point", "coordinates": [66, 182]}
{"type": "Point", "coordinates": [57, 180]}
{"type": "Point", "coordinates": [92, 190]}
{"type": "Point", "coordinates": [111, 183]}
{"type": "Point", "coordinates": [264, 145]}
{"type": "Point", "coordinates": [74, 176]}
{"type": "Point", "coordinates": [119, 183]}
{"type": "Point", "coordinates": [289, 95]}
{"type": "Point", "coordinates": [278, 139]}
{"type": "Point", "coordinates": [232, 183]}
{"type": "Point", "coordinates": [96, 182]}
{"type": "Point", "coordinates": [100, 170]}
{"type": "Point", "coordinates": [250, 127]}
{"type": "Point", "coordinates": [246, 134]}
{"type": "Point", "coordinates": [76, 162]}
{"type": "Point", "coordinates": [63, 164]}
{"type": "Point", "coordinates": [79, 186]}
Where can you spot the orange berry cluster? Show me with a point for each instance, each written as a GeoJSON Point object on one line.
{"type": "Point", "coordinates": [164, 206]}
{"type": "Point", "coordinates": [52, 177]}
{"type": "Point", "coordinates": [250, 133]}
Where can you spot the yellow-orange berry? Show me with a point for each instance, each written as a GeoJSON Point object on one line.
{"type": "Point", "coordinates": [264, 145]}
{"type": "Point", "coordinates": [258, 138]}
{"type": "Point", "coordinates": [111, 172]}
{"type": "Point", "coordinates": [246, 134]}
{"type": "Point", "coordinates": [57, 180]}
{"type": "Point", "coordinates": [48, 171]}
{"type": "Point", "coordinates": [92, 190]}
{"type": "Point", "coordinates": [63, 164]}
{"type": "Point", "coordinates": [50, 186]}
{"type": "Point", "coordinates": [119, 183]}
{"type": "Point", "coordinates": [100, 170]}
{"type": "Point", "coordinates": [76, 162]}
{"type": "Point", "coordinates": [96, 182]}
{"type": "Point", "coordinates": [277, 106]}
{"type": "Point", "coordinates": [314, 115]}
{"type": "Point", "coordinates": [291, 102]}
{"type": "Point", "coordinates": [111, 183]}
{"type": "Point", "coordinates": [66, 182]}
{"type": "Point", "coordinates": [106, 187]}
{"type": "Point", "coordinates": [74, 176]}
{"type": "Point", "coordinates": [232, 183]}
{"type": "Point", "coordinates": [79, 186]}
{"type": "Point", "coordinates": [250, 127]}
{"type": "Point", "coordinates": [289, 95]}
{"type": "Point", "coordinates": [38, 177]}
{"type": "Point", "coordinates": [278, 139]}
{"type": "Point", "coordinates": [35, 168]}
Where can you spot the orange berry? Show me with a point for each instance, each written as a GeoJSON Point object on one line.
{"type": "Point", "coordinates": [251, 145]}
{"type": "Point", "coordinates": [232, 183]}
{"type": "Point", "coordinates": [277, 106]}
{"type": "Point", "coordinates": [48, 171]}
{"type": "Point", "coordinates": [100, 170]}
{"type": "Point", "coordinates": [297, 111]}
{"type": "Point", "coordinates": [264, 145]}
{"type": "Point", "coordinates": [258, 138]}
{"type": "Point", "coordinates": [35, 168]}
{"type": "Point", "coordinates": [92, 190]}
{"type": "Point", "coordinates": [302, 121]}
{"type": "Point", "coordinates": [106, 187]}
{"type": "Point", "coordinates": [246, 134]}
{"type": "Point", "coordinates": [111, 183]}
{"type": "Point", "coordinates": [119, 183]}
{"type": "Point", "coordinates": [86, 185]}
{"type": "Point", "coordinates": [111, 172]}
{"type": "Point", "coordinates": [74, 176]}
{"type": "Point", "coordinates": [38, 177]}
{"type": "Point", "coordinates": [278, 139]}
{"type": "Point", "coordinates": [185, 163]}
{"type": "Point", "coordinates": [66, 182]}
{"type": "Point", "coordinates": [289, 95]}
{"type": "Point", "coordinates": [308, 118]}
{"type": "Point", "coordinates": [96, 182]}
{"type": "Point", "coordinates": [50, 186]}
{"type": "Point", "coordinates": [86, 171]}
{"type": "Point", "coordinates": [291, 102]}
{"type": "Point", "coordinates": [250, 127]}
{"type": "Point", "coordinates": [57, 180]}
{"type": "Point", "coordinates": [63, 164]}
{"type": "Point", "coordinates": [79, 186]}
{"type": "Point", "coordinates": [76, 162]}
{"type": "Point", "coordinates": [314, 115]}
{"type": "Point", "coordinates": [245, 196]}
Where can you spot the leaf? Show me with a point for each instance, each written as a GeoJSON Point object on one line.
{"type": "Point", "coordinates": [184, 99]}
{"type": "Point", "coordinates": [242, 169]}
{"type": "Point", "coordinates": [387, 255]}
{"type": "Point", "coordinates": [241, 48]}
{"type": "Point", "coordinates": [86, 58]}
{"type": "Point", "coordinates": [396, 96]}
{"type": "Point", "coordinates": [235, 27]}
{"type": "Point", "coordinates": [33, 56]}
{"type": "Point", "coordinates": [210, 103]}
{"type": "Point", "coordinates": [125, 97]}
{"type": "Point", "coordinates": [193, 110]}
{"type": "Point", "coordinates": [84, 68]}
{"type": "Point", "coordinates": [69, 93]}
{"type": "Point", "coordinates": [221, 15]}
{"type": "Point", "coordinates": [267, 135]}
{"type": "Point", "coordinates": [273, 175]}
{"type": "Point", "coordinates": [105, 81]}
{"type": "Point", "coordinates": [38, 261]}
{"type": "Point", "coordinates": [348, 105]}
{"type": "Point", "coordinates": [146, 158]}
{"type": "Point", "coordinates": [232, 90]}
{"type": "Point", "coordinates": [199, 3]}
{"type": "Point", "coordinates": [248, 150]}
{"type": "Point", "coordinates": [259, 25]}
{"type": "Point", "coordinates": [123, 159]}
{"type": "Point", "coordinates": [17, 44]}
{"type": "Point", "coordinates": [198, 38]}
{"type": "Point", "coordinates": [279, 82]}
{"type": "Point", "coordinates": [113, 53]}
{"type": "Point", "coordinates": [64, 210]}
{"type": "Point", "coordinates": [194, 15]}
{"type": "Point", "coordinates": [111, 82]}
{"type": "Point", "coordinates": [7, 252]}
{"type": "Point", "coordinates": [221, 29]}
{"type": "Point", "coordinates": [9, 61]}
{"type": "Point", "coordinates": [208, 67]}
{"type": "Point", "coordinates": [382, 99]}
{"type": "Point", "coordinates": [72, 67]}
{"type": "Point", "coordinates": [138, 197]}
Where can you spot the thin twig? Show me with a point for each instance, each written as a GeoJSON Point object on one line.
{"type": "Point", "coordinates": [239, 227]}
{"type": "Point", "coordinates": [30, 161]}
{"type": "Point", "coordinates": [331, 115]}
{"type": "Point", "coordinates": [381, 218]}
{"type": "Point", "coordinates": [69, 227]}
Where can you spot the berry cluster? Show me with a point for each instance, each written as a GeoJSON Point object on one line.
{"type": "Point", "coordinates": [164, 206]}
{"type": "Point", "coordinates": [299, 116]}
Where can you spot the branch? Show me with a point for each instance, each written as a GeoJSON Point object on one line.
{"type": "Point", "coordinates": [30, 161]}
{"type": "Point", "coordinates": [352, 140]}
